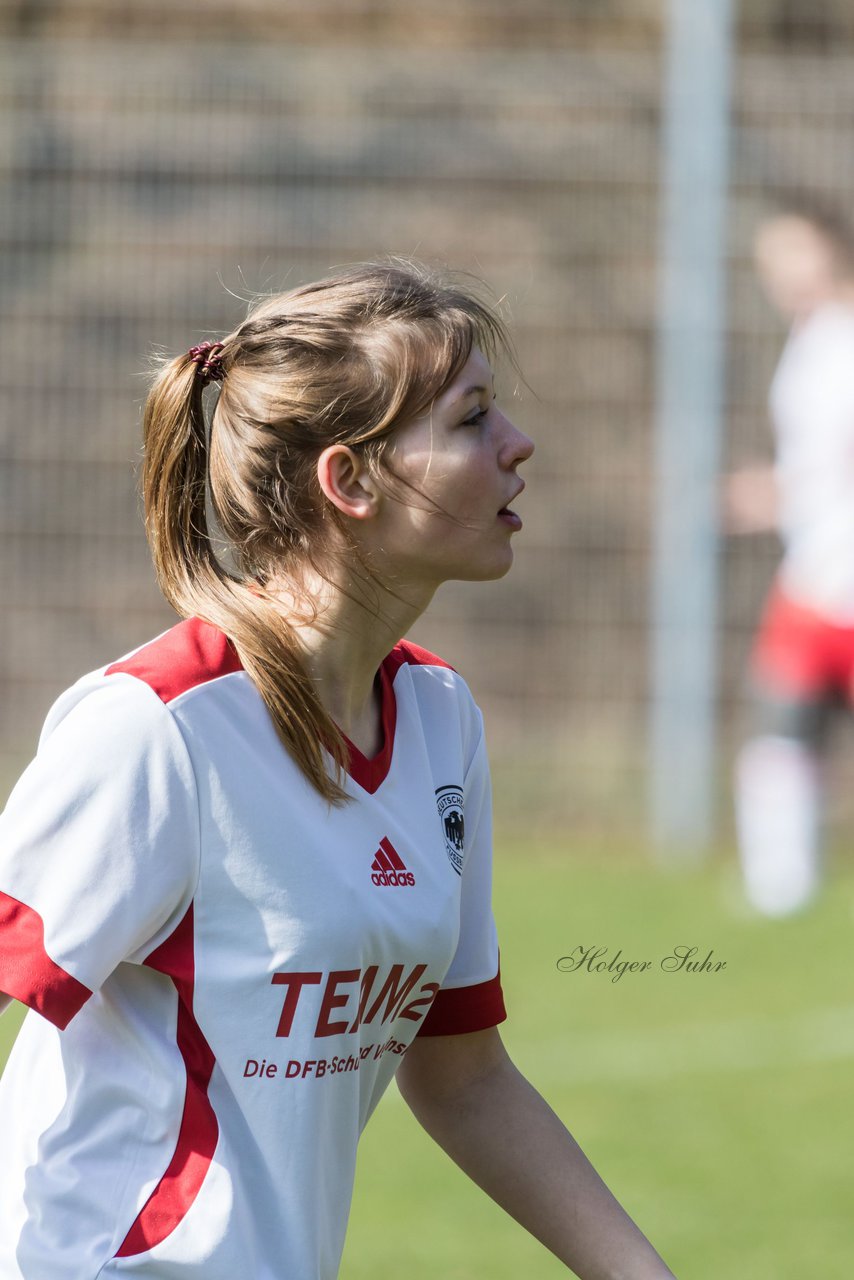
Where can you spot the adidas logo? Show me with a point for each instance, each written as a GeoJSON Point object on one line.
{"type": "Point", "coordinates": [389, 868]}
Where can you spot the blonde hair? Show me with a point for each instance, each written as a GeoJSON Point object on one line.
{"type": "Point", "coordinates": [343, 360]}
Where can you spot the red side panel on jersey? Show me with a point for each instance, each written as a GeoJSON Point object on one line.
{"type": "Point", "coordinates": [192, 653]}
{"type": "Point", "coordinates": [197, 1137]}
{"type": "Point", "coordinates": [460, 1009]}
{"type": "Point", "coordinates": [27, 972]}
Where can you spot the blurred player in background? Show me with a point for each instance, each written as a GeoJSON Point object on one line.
{"type": "Point", "coordinates": [802, 666]}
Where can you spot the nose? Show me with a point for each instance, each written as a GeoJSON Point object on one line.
{"type": "Point", "coordinates": [516, 446]}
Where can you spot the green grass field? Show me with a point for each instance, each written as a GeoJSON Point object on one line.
{"type": "Point", "coordinates": [716, 1105]}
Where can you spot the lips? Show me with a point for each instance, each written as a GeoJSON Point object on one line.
{"type": "Point", "coordinates": [506, 510]}
{"type": "Point", "coordinates": [509, 518]}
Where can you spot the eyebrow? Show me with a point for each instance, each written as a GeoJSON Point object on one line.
{"type": "Point", "coordinates": [470, 391]}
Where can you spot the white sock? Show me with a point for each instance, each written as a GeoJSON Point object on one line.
{"type": "Point", "coordinates": [778, 808]}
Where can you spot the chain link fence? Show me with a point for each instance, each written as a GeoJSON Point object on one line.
{"type": "Point", "coordinates": [157, 167]}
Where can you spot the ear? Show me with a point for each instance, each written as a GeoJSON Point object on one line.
{"type": "Point", "coordinates": [347, 483]}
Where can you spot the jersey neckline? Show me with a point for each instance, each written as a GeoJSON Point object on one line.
{"type": "Point", "coordinates": [371, 772]}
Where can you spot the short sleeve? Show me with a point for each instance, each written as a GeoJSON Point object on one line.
{"type": "Point", "coordinates": [99, 845]}
{"type": "Point", "coordinates": [470, 998]}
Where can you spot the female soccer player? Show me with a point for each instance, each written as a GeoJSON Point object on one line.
{"type": "Point", "coordinates": [246, 880]}
{"type": "Point", "coordinates": [803, 658]}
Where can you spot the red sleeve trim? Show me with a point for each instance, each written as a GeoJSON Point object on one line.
{"type": "Point", "coordinates": [27, 972]}
{"type": "Point", "coordinates": [457, 1010]}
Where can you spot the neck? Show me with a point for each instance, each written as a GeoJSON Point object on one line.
{"type": "Point", "coordinates": [844, 293]}
{"type": "Point", "coordinates": [839, 291]}
{"type": "Point", "coordinates": [353, 627]}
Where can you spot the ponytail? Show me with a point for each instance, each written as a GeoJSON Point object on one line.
{"type": "Point", "coordinates": [174, 480]}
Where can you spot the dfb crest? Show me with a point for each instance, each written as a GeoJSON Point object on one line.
{"type": "Point", "coordinates": [450, 802]}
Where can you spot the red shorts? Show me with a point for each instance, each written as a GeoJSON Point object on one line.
{"type": "Point", "coordinates": [798, 653]}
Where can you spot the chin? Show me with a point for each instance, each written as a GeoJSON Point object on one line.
{"type": "Point", "coordinates": [486, 572]}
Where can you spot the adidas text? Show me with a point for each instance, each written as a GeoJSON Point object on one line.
{"type": "Point", "coordinates": [400, 878]}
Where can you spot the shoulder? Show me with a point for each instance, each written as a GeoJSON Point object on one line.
{"type": "Point", "coordinates": [425, 670]}
{"type": "Point", "coordinates": [406, 653]}
{"type": "Point", "coordinates": [833, 317]}
{"type": "Point", "coordinates": [440, 691]}
{"type": "Point", "coordinates": [111, 764]}
{"type": "Point", "coordinates": [125, 705]}
{"type": "Point", "coordinates": [828, 335]}
{"type": "Point", "coordinates": [190, 654]}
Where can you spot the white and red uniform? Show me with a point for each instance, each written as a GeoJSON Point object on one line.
{"type": "Point", "coordinates": [803, 656]}
{"type": "Point", "coordinates": [805, 646]}
{"type": "Point", "coordinates": [228, 968]}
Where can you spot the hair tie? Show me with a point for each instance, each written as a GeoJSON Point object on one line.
{"type": "Point", "coordinates": [208, 357]}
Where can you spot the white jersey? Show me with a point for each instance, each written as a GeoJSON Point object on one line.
{"type": "Point", "coordinates": [812, 409]}
{"type": "Point", "coordinates": [228, 968]}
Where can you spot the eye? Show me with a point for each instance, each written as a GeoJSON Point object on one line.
{"type": "Point", "coordinates": [475, 418]}
{"type": "Point", "coordinates": [479, 416]}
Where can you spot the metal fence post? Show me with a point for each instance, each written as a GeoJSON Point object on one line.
{"type": "Point", "coordinates": [688, 423]}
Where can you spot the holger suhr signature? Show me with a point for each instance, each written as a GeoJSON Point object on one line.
{"type": "Point", "coordinates": [682, 959]}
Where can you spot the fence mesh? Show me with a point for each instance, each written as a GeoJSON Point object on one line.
{"type": "Point", "coordinates": [159, 165]}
